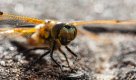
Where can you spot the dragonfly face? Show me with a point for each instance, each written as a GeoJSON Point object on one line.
{"type": "Point", "coordinates": [65, 33]}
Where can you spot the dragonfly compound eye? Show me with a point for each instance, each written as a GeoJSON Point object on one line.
{"type": "Point", "coordinates": [65, 33]}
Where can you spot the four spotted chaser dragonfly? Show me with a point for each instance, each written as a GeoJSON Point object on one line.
{"type": "Point", "coordinates": [50, 35]}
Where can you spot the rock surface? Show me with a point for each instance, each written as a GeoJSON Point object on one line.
{"type": "Point", "coordinates": [102, 56]}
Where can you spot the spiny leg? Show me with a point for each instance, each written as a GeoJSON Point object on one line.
{"type": "Point", "coordinates": [65, 57]}
{"type": "Point", "coordinates": [51, 55]}
{"type": "Point", "coordinates": [70, 51]}
{"type": "Point", "coordinates": [38, 59]}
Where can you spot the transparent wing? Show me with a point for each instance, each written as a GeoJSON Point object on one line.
{"type": "Point", "coordinates": [110, 22]}
{"type": "Point", "coordinates": [17, 31]}
{"type": "Point", "coordinates": [118, 27]}
{"type": "Point", "coordinates": [13, 19]}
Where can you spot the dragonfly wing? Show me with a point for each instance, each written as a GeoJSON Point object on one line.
{"type": "Point", "coordinates": [109, 22]}
{"type": "Point", "coordinates": [93, 36]}
{"type": "Point", "coordinates": [17, 20]}
{"type": "Point", "coordinates": [24, 32]}
{"type": "Point", "coordinates": [88, 34]}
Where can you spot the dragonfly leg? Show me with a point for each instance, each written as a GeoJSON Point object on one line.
{"type": "Point", "coordinates": [51, 55]}
{"type": "Point", "coordinates": [70, 51]}
{"type": "Point", "coordinates": [65, 57]}
{"type": "Point", "coordinates": [38, 59]}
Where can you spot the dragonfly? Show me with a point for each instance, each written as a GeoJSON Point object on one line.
{"type": "Point", "coordinates": [50, 35]}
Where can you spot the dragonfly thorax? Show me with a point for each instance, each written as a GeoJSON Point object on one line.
{"type": "Point", "coordinates": [65, 33]}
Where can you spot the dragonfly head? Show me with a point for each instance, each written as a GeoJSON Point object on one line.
{"type": "Point", "coordinates": [65, 33]}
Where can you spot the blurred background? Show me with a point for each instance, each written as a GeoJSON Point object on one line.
{"type": "Point", "coordinates": [71, 10]}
